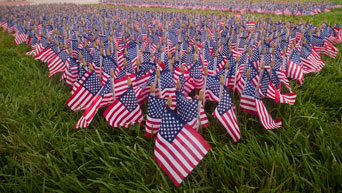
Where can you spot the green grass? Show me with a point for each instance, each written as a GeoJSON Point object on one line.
{"type": "Point", "coordinates": [40, 152]}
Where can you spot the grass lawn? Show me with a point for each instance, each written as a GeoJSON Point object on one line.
{"type": "Point", "coordinates": [41, 152]}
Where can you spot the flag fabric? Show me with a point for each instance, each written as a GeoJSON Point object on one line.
{"type": "Point", "coordinates": [90, 112]}
{"type": "Point", "coordinates": [311, 62]}
{"type": "Point", "coordinates": [225, 113]}
{"type": "Point", "coordinates": [125, 111]}
{"type": "Point", "coordinates": [56, 64]}
{"type": "Point", "coordinates": [71, 72]}
{"type": "Point", "coordinates": [20, 38]}
{"type": "Point", "coordinates": [251, 103]}
{"type": "Point", "coordinates": [167, 87]}
{"type": "Point", "coordinates": [187, 110]}
{"type": "Point", "coordinates": [178, 147]}
{"type": "Point", "coordinates": [85, 92]}
{"type": "Point", "coordinates": [155, 110]}
{"type": "Point", "coordinates": [212, 90]}
{"type": "Point", "coordinates": [268, 90]}
{"type": "Point", "coordinates": [293, 68]}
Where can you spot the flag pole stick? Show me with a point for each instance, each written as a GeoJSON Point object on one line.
{"type": "Point", "coordinates": [200, 103]}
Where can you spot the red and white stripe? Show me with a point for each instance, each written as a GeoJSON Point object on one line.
{"type": "Point", "coordinates": [120, 85]}
{"type": "Point", "coordinates": [4, 25]}
{"type": "Point", "coordinates": [313, 63]}
{"type": "Point", "coordinates": [247, 104]}
{"type": "Point", "coordinates": [71, 77]}
{"type": "Point", "coordinates": [203, 118]}
{"type": "Point", "coordinates": [250, 26]}
{"type": "Point", "coordinates": [265, 118]}
{"type": "Point", "coordinates": [295, 71]}
{"type": "Point", "coordinates": [79, 82]}
{"type": "Point", "coordinates": [55, 66]}
{"type": "Point", "coordinates": [46, 55]}
{"type": "Point", "coordinates": [89, 113]}
{"type": "Point", "coordinates": [118, 116]}
{"type": "Point", "coordinates": [285, 98]}
{"type": "Point", "coordinates": [80, 99]}
{"type": "Point", "coordinates": [229, 121]}
{"type": "Point", "coordinates": [166, 93]}
{"type": "Point", "coordinates": [152, 126]}
{"type": "Point", "coordinates": [179, 158]}
{"type": "Point", "coordinates": [21, 38]}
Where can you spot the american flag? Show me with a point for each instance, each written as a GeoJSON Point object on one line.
{"type": "Point", "coordinates": [56, 63]}
{"type": "Point", "coordinates": [254, 77]}
{"type": "Point", "coordinates": [154, 115]}
{"type": "Point", "coordinates": [132, 55]}
{"type": "Point", "coordinates": [4, 25]}
{"type": "Point", "coordinates": [187, 84]}
{"type": "Point", "coordinates": [230, 78]}
{"type": "Point", "coordinates": [146, 57]}
{"type": "Point", "coordinates": [97, 62]}
{"type": "Point", "coordinates": [85, 92]}
{"type": "Point", "coordinates": [251, 103]}
{"type": "Point", "coordinates": [167, 86]}
{"type": "Point", "coordinates": [293, 68]}
{"type": "Point", "coordinates": [178, 148]}
{"type": "Point", "coordinates": [221, 62]}
{"type": "Point", "coordinates": [322, 46]}
{"type": "Point", "coordinates": [256, 58]}
{"type": "Point", "coordinates": [225, 113]}
{"type": "Point", "coordinates": [75, 50]}
{"type": "Point", "coordinates": [125, 110]}
{"type": "Point", "coordinates": [95, 104]}
{"type": "Point", "coordinates": [212, 91]}
{"type": "Point", "coordinates": [196, 75]}
{"type": "Point", "coordinates": [71, 72]}
{"type": "Point", "coordinates": [311, 61]}
{"type": "Point", "coordinates": [144, 89]}
{"type": "Point", "coordinates": [108, 64]}
{"type": "Point", "coordinates": [267, 89]}
{"type": "Point", "coordinates": [187, 110]}
{"type": "Point", "coordinates": [120, 83]}
{"type": "Point", "coordinates": [46, 54]}
{"type": "Point", "coordinates": [250, 26]}
{"type": "Point", "coordinates": [20, 38]}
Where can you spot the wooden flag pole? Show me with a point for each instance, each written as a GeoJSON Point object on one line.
{"type": "Point", "coordinates": [158, 81]}
{"type": "Point", "coordinates": [205, 82]}
{"type": "Point", "coordinates": [262, 68]}
{"type": "Point", "coordinates": [112, 81]}
{"type": "Point", "coordinates": [221, 87]}
{"type": "Point", "coordinates": [200, 103]}
{"type": "Point", "coordinates": [101, 62]}
{"type": "Point", "coordinates": [169, 102]}
{"type": "Point", "coordinates": [129, 82]}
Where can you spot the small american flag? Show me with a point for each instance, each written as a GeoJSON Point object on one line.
{"type": "Point", "coordinates": [132, 54]}
{"type": "Point", "coordinates": [212, 91]}
{"type": "Point", "coordinates": [196, 75]}
{"type": "Point", "coordinates": [251, 103]}
{"type": "Point", "coordinates": [225, 113]}
{"type": "Point", "coordinates": [179, 148]}
{"type": "Point", "coordinates": [293, 68]}
{"type": "Point", "coordinates": [125, 110]}
{"type": "Point", "coordinates": [267, 89]}
{"type": "Point", "coordinates": [85, 92]}
{"type": "Point", "coordinates": [187, 109]}
{"type": "Point", "coordinates": [155, 111]}
{"type": "Point", "coordinates": [167, 86]}
{"type": "Point", "coordinates": [56, 64]}
{"type": "Point", "coordinates": [90, 112]}
{"type": "Point", "coordinates": [71, 72]}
